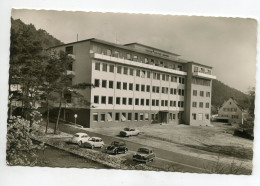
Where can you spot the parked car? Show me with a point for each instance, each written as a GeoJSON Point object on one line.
{"type": "Point", "coordinates": [144, 154]}
{"type": "Point", "coordinates": [79, 138]}
{"type": "Point", "coordinates": [129, 132]}
{"type": "Point", "coordinates": [116, 147]}
{"type": "Point", "coordinates": [94, 142]}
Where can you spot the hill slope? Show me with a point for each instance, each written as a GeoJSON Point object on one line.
{"type": "Point", "coordinates": [222, 92]}
{"type": "Point", "coordinates": [46, 40]}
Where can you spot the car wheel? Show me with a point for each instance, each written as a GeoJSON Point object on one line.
{"type": "Point", "coordinates": [92, 147]}
{"type": "Point", "coordinates": [125, 150]}
{"type": "Point", "coordinates": [80, 143]}
{"type": "Point", "coordinates": [116, 152]}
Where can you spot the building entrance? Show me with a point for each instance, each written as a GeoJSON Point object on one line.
{"type": "Point", "coordinates": [164, 117]}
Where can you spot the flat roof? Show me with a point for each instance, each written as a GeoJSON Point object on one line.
{"type": "Point", "coordinates": [178, 60]}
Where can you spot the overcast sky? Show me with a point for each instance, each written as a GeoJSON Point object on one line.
{"type": "Point", "coordinates": [226, 44]}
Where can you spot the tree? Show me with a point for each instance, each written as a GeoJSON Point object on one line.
{"type": "Point", "coordinates": [251, 94]}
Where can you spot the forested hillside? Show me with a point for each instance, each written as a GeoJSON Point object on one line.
{"type": "Point", "coordinates": [46, 40]}
{"type": "Point", "coordinates": [222, 92]}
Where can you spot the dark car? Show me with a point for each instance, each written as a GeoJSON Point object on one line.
{"type": "Point", "coordinates": [144, 154]}
{"type": "Point", "coordinates": [116, 147]}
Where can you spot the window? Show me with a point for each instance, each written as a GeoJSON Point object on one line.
{"type": "Point", "coordinates": [142, 102]}
{"type": "Point", "coordinates": [158, 76]}
{"type": "Point", "coordinates": [163, 90]}
{"type": "Point", "coordinates": [162, 103]}
{"type": "Point", "coordinates": [102, 117]}
{"type": "Point", "coordinates": [179, 91]}
{"type": "Point", "coordinates": [128, 56]}
{"type": "Point", "coordinates": [175, 91]}
{"type": "Point", "coordinates": [201, 104]}
{"type": "Point", "coordinates": [163, 77]}
{"type": "Point", "coordinates": [156, 117]}
{"type": "Point", "coordinates": [125, 70]}
{"type": "Point", "coordinates": [124, 101]}
{"type": "Point", "coordinates": [207, 116]}
{"type": "Point", "coordinates": [147, 102]}
{"type": "Point", "coordinates": [143, 88]}
{"type": "Point", "coordinates": [123, 117]}
{"type": "Point", "coordinates": [110, 100]}
{"type": "Point", "coordinates": [130, 86]}
{"type": "Point", "coordinates": [154, 75]}
{"type": "Point", "coordinates": [117, 118]}
{"type": "Point", "coordinates": [96, 82]}
{"type": "Point", "coordinates": [95, 116]}
{"type": "Point", "coordinates": [179, 104]}
{"type": "Point", "coordinates": [111, 68]}
{"type": "Point", "coordinates": [109, 52]}
{"type": "Point", "coordinates": [167, 77]}
{"type": "Point", "coordinates": [104, 67]}
{"type": "Point", "coordinates": [131, 72]}
{"type": "Point", "coordinates": [136, 116]}
{"type": "Point", "coordinates": [129, 117]}
{"type": "Point", "coordinates": [137, 87]}
{"type": "Point", "coordinates": [143, 73]}
{"type": "Point", "coordinates": [171, 103]}
{"type": "Point", "coordinates": [119, 69]}
{"type": "Point", "coordinates": [96, 99]}
{"type": "Point", "coordinates": [207, 105]}
{"type": "Point", "coordinates": [146, 60]}
{"type": "Point", "coordinates": [146, 116]}
{"type": "Point", "coordinates": [109, 116]}
{"type": "Point", "coordinates": [171, 91]}
{"type": "Point", "coordinates": [118, 85]}
{"type": "Point", "coordinates": [234, 116]}
{"type": "Point", "coordinates": [125, 86]}
{"type": "Point", "coordinates": [174, 103]}
{"type": "Point", "coordinates": [166, 103]}
{"type": "Point", "coordinates": [148, 74]}
{"type": "Point", "coordinates": [69, 50]}
{"type": "Point", "coordinates": [118, 100]}
{"type": "Point", "coordinates": [173, 116]}
{"type": "Point", "coordinates": [103, 99]}
{"type": "Point", "coordinates": [166, 90]}
{"type": "Point", "coordinates": [135, 58]}
{"type": "Point", "coordinates": [111, 84]}
{"type": "Point", "coordinates": [138, 73]}
{"type": "Point", "coordinates": [157, 102]}
{"type": "Point", "coordinates": [130, 101]}
{"type": "Point", "coordinates": [157, 89]}
{"type": "Point", "coordinates": [194, 116]}
{"type": "Point", "coordinates": [173, 79]}
{"type": "Point", "coordinates": [153, 102]}
{"type": "Point", "coordinates": [136, 101]}
{"type": "Point", "coordinates": [179, 79]}
{"type": "Point", "coordinates": [116, 54]}
{"type": "Point", "coordinates": [194, 104]}
{"type": "Point", "coordinates": [208, 94]}
{"type": "Point", "coordinates": [153, 89]}
{"type": "Point", "coordinates": [97, 66]}
{"type": "Point", "coordinates": [152, 117]}
{"type": "Point", "coordinates": [194, 92]}
{"type": "Point", "coordinates": [147, 88]}
{"type": "Point", "coordinates": [202, 93]}
{"type": "Point", "coordinates": [182, 92]}
{"type": "Point", "coordinates": [104, 83]}
{"type": "Point", "coordinates": [183, 81]}
{"type": "Point", "coordinates": [141, 116]}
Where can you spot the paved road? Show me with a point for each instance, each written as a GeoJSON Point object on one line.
{"type": "Point", "coordinates": [164, 159]}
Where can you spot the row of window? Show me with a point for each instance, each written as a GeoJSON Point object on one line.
{"type": "Point", "coordinates": [137, 116]}
{"type": "Point", "coordinates": [195, 93]}
{"type": "Point", "coordinates": [135, 57]}
{"type": "Point", "coordinates": [198, 81]}
{"type": "Point", "coordinates": [202, 70]}
{"type": "Point", "coordinates": [138, 87]}
{"type": "Point", "coordinates": [199, 116]}
{"type": "Point", "coordinates": [233, 116]}
{"type": "Point", "coordinates": [137, 72]}
{"type": "Point", "coordinates": [194, 105]}
{"type": "Point", "coordinates": [229, 109]}
{"type": "Point", "coordinates": [138, 101]}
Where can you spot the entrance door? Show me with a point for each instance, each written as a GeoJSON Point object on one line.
{"type": "Point", "coordinates": [164, 117]}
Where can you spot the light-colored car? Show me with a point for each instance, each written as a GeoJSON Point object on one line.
{"type": "Point", "coordinates": [129, 132]}
{"type": "Point", "coordinates": [80, 138]}
{"type": "Point", "coordinates": [94, 142]}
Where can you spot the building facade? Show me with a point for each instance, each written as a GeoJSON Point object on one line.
{"type": "Point", "coordinates": [135, 84]}
{"type": "Point", "coordinates": [231, 112]}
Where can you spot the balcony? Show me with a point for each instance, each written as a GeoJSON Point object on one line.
{"type": "Point", "coordinates": [137, 64]}
{"type": "Point", "coordinates": [203, 75]}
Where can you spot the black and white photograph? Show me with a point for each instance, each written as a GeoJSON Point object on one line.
{"type": "Point", "coordinates": [131, 92]}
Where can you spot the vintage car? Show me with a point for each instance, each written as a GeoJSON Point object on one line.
{"type": "Point", "coordinates": [79, 138]}
{"type": "Point", "coordinates": [93, 142]}
{"type": "Point", "coordinates": [144, 154]}
{"type": "Point", "coordinates": [129, 132]}
{"type": "Point", "coordinates": [116, 147]}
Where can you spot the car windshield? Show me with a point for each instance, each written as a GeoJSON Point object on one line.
{"type": "Point", "coordinates": [126, 129]}
{"type": "Point", "coordinates": [92, 139]}
{"type": "Point", "coordinates": [115, 143]}
{"type": "Point", "coordinates": [76, 135]}
{"type": "Point", "coordinates": [143, 150]}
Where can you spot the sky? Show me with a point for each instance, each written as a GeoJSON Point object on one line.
{"type": "Point", "coordinates": [226, 44]}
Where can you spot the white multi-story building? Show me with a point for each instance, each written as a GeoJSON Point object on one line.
{"type": "Point", "coordinates": [135, 84]}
